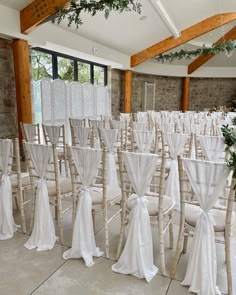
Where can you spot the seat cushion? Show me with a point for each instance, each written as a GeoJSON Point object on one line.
{"type": "Point", "coordinates": [153, 203]}
{"type": "Point", "coordinates": [192, 213]}
{"type": "Point", "coordinates": [112, 194]}
{"type": "Point", "coordinates": [25, 179]}
{"type": "Point", "coordinates": [65, 186]}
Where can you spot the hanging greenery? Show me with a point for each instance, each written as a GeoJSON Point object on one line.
{"type": "Point", "coordinates": [227, 47]}
{"type": "Point", "coordinates": [73, 12]}
{"type": "Point", "coordinates": [229, 134]}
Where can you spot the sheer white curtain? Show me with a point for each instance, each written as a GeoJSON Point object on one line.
{"type": "Point", "coordinates": [213, 147]}
{"type": "Point", "coordinates": [43, 235]}
{"type": "Point", "coordinates": [137, 256]}
{"type": "Point", "coordinates": [53, 133]}
{"type": "Point", "coordinates": [144, 140]}
{"type": "Point", "coordinates": [7, 224]}
{"type": "Point", "coordinates": [176, 143]}
{"type": "Point", "coordinates": [87, 161]}
{"type": "Point", "coordinates": [207, 180]}
{"type": "Point", "coordinates": [110, 137]}
{"type": "Point", "coordinates": [82, 134]}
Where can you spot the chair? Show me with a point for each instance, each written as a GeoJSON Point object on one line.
{"type": "Point", "coordinates": [201, 185]}
{"type": "Point", "coordinates": [56, 135]}
{"type": "Point", "coordinates": [20, 184]}
{"type": "Point", "coordinates": [81, 136]}
{"type": "Point", "coordinates": [95, 196]}
{"type": "Point", "coordinates": [142, 184]}
{"type": "Point", "coordinates": [31, 132]}
{"type": "Point", "coordinates": [143, 141]}
{"type": "Point", "coordinates": [42, 161]}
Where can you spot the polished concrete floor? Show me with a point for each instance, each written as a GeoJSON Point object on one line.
{"type": "Point", "coordinates": [24, 272]}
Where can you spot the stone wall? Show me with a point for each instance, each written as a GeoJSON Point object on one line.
{"type": "Point", "coordinates": [8, 111]}
{"type": "Point", "coordinates": [211, 92]}
{"type": "Point", "coordinates": [205, 93]}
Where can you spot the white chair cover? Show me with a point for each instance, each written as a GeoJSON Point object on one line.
{"type": "Point", "coordinates": [140, 126]}
{"type": "Point", "coordinates": [116, 124]}
{"type": "Point", "coordinates": [207, 180]}
{"type": "Point", "coordinates": [168, 127]}
{"type": "Point", "coordinates": [87, 161]}
{"type": "Point", "coordinates": [110, 136]}
{"type": "Point", "coordinates": [137, 256]}
{"type": "Point", "coordinates": [176, 143]}
{"type": "Point", "coordinates": [144, 140]}
{"type": "Point", "coordinates": [213, 147]}
{"type": "Point", "coordinates": [43, 236]}
{"type": "Point", "coordinates": [7, 224]}
{"type": "Point", "coordinates": [53, 133]}
{"type": "Point", "coordinates": [29, 132]}
{"type": "Point", "coordinates": [82, 134]}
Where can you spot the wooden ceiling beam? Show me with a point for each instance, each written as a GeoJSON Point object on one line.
{"type": "Point", "coordinates": [188, 34]}
{"type": "Point", "coordinates": [37, 12]}
{"type": "Point", "coordinates": [202, 59]}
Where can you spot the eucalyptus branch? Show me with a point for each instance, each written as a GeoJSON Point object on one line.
{"type": "Point", "coordinates": [73, 13]}
{"type": "Point", "coordinates": [226, 47]}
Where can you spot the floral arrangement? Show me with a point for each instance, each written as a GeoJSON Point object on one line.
{"type": "Point", "coordinates": [228, 47]}
{"type": "Point", "coordinates": [73, 13]}
{"type": "Point", "coordinates": [229, 134]}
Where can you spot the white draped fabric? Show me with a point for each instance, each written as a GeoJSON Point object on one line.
{"type": "Point", "coordinates": [87, 161]}
{"type": "Point", "coordinates": [144, 140]}
{"type": "Point", "coordinates": [7, 224]}
{"type": "Point", "coordinates": [82, 134]}
{"type": "Point", "coordinates": [140, 126]}
{"type": "Point", "coordinates": [43, 236]}
{"type": "Point", "coordinates": [29, 132]}
{"type": "Point", "coordinates": [168, 127]}
{"type": "Point", "coordinates": [213, 147]}
{"type": "Point", "coordinates": [176, 143]}
{"type": "Point", "coordinates": [137, 256]}
{"type": "Point", "coordinates": [53, 133]}
{"type": "Point", "coordinates": [116, 124]}
{"type": "Point", "coordinates": [110, 137]}
{"type": "Point", "coordinates": [207, 180]}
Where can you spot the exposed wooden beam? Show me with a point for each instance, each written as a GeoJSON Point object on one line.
{"type": "Point", "coordinates": [23, 82]}
{"type": "Point", "coordinates": [186, 93]}
{"type": "Point", "coordinates": [202, 59]}
{"type": "Point", "coordinates": [128, 91]}
{"type": "Point", "coordinates": [188, 34]}
{"type": "Point", "coordinates": [37, 12]}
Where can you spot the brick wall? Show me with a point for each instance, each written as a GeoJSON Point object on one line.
{"type": "Point", "coordinates": [204, 92]}
{"type": "Point", "coordinates": [8, 111]}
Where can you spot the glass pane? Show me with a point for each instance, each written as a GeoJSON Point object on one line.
{"type": "Point", "coordinates": [99, 75]}
{"type": "Point", "coordinates": [83, 72]}
{"type": "Point", "coordinates": [65, 69]}
{"type": "Point", "coordinates": [41, 65]}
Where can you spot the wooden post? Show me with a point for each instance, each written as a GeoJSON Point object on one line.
{"type": "Point", "coordinates": [128, 91]}
{"type": "Point", "coordinates": [186, 92]}
{"type": "Point", "coordinates": [23, 82]}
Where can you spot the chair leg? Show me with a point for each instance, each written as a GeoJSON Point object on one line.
{"type": "Point", "coordinates": [60, 221]}
{"type": "Point", "coordinates": [178, 250]}
{"type": "Point", "coordinates": [122, 231]}
{"type": "Point", "coordinates": [228, 266]}
{"type": "Point", "coordinates": [22, 212]}
{"type": "Point", "coordinates": [162, 246]}
{"type": "Point", "coordinates": [33, 210]}
{"type": "Point", "coordinates": [93, 217]}
{"type": "Point", "coordinates": [171, 233]}
{"type": "Point", "coordinates": [185, 243]}
{"type": "Point", "coordinates": [106, 231]}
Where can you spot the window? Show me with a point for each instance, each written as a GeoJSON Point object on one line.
{"type": "Point", "coordinates": [99, 75]}
{"type": "Point", "coordinates": [54, 65]}
{"type": "Point", "coordinates": [84, 72]}
{"type": "Point", "coordinates": [41, 64]}
{"type": "Point", "coordinates": [65, 69]}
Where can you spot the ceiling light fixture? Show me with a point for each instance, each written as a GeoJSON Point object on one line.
{"type": "Point", "coordinates": [165, 17]}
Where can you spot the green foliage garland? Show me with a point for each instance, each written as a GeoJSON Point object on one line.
{"type": "Point", "coordinates": [226, 47]}
{"type": "Point", "coordinates": [73, 13]}
{"type": "Point", "coordinates": [229, 134]}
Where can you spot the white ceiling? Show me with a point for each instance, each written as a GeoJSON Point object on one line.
{"type": "Point", "coordinates": [128, 34]}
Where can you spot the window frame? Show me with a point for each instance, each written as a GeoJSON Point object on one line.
{"type": "Point", "coordinates": [75, 61]}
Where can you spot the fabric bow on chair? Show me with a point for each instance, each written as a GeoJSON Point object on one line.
{"type": "Point", "coordinates": [137, 256]}
{"type": "Point", "coordinates": [7, 224]}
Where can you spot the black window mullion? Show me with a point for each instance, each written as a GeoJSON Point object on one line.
{"type": "Point", "coordinates": [91, 74]}
{"type": "Point", "coordinates": [75, 69]}
{"type": "Point", "coordinates": [54, 67]}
